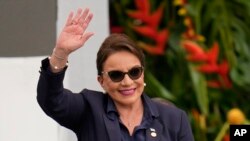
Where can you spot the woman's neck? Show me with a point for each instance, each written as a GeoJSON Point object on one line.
{"type": "Point", "coordinates": [131, 116]}
{"type": "Point", "coordinates": [125, 110]}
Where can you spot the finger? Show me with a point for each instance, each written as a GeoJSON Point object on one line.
{"type": "Point", "coordinates": [86, 36]}
{"type": "Point", "coordinates": [86, 22]}
{"type": "Point", "coordinates": [69, 19]}
{"type": "Point", "coordinates": [83, 16]}
{"type": "Point", "coordinates": [77, 17]}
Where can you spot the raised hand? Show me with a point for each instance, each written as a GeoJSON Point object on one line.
{"type": "Point", "coordinates": [73, 35]}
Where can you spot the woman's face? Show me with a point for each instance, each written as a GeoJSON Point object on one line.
{"type": "Point", "coordinates": [127, 91]}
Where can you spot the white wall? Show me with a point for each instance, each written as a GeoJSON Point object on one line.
{"type": "Point", "coordinates": [21, 118]}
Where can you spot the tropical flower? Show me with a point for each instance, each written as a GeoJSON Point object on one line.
{"type": "Point", "coordinates": [208, 63]}
{"type": "Point", "coordinates": [149, 26]}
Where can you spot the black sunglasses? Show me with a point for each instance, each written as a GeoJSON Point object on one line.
{"type": "Point", "coordinates": [117, 76]}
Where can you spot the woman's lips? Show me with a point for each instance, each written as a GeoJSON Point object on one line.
{"type": "Point", "coordinates": [127, 91]}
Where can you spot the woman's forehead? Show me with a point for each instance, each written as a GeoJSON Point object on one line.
{"type": "Point", "coordinates": [121, 60]}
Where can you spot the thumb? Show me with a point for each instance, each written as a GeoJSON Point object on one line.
{"type": "Point", "coordinates": [86, 36]}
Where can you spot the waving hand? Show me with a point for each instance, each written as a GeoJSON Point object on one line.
{"type": "Point", "coordinates": [73, 35]}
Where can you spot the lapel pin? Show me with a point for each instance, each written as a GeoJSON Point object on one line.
{"type": "Point", "coordinates": [152, 129]}
{"type": "Point", "coordinates": [153, 132]}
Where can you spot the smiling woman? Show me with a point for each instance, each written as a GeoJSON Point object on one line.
{"type": "Point", "coordinates": [124, 112]}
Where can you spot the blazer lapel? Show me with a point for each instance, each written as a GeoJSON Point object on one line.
{"type": "Point", "coordinates": [112, 126]}
{"type": "Point", "coordinates": [154, 132]}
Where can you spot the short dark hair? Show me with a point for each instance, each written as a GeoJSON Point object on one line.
{"type": "Point", "coordinates": [114, 43]}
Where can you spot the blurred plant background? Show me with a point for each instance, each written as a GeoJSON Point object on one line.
{"type": "Point", "coordinates": [197, 54]}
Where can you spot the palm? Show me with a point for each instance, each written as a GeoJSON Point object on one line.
{"type": "Point", "coordinates": [73, 35]}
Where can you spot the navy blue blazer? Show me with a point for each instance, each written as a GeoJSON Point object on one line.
{"type": "Point", "coordinates": [85, 112]}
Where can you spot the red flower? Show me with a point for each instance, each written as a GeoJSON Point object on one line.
{"type": "Point", "coordinates": [146, 31]}
{"type": "Point", "coordinates": [137, 15]}
{"type": "Point", "coordinates": [223, 68]}
{"type": "Point", "coordinates": [155, 18]}
{"type": "Point", "coordinates": [195, 52]}
{"type": "Point", "coordinates": [208, 68]}
{"type": "Point", "coordinates": [223, 71]}
{"type": "Point", "coordinates": [150, 26]}
{"type": "Point", "coordinates": [155, 50]}
{"type": "Point", "coordinates": [162, 37]}
{"type": "Point", "coordinates": [209, 60]}
{"type": "Point", "coordinates": [197, 57]}
{"type": "Point", "coordinates": [143, 13]}
{"type": "Point", "coordinates": [143, 6]}
{"type": "Point", "coordinates": [192, 48]}
{"type": "Point", "coordinates": [210, 57]}
{"type": "Point", "coordinates": [226, 82]}
{"type": "Point", "coordinates": [212, 54]}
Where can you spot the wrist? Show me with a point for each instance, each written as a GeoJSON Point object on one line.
{"type": "Point", "coordinates": [55, 65]}
{"type": "Point", "coordinates": [59, 53]}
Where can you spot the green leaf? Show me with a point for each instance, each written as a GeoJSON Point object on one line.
{"type": "Point", "coordinates": [240, 75]}
{"type": "Point", "coordinates": [155, 89]}
{"type": "Point", "coordinates": [200, 88]}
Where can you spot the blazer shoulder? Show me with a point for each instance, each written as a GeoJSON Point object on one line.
{"type": "Point", "coordinates": [91, 92]}
{"type": "Point", "coordinates": [170, 113]}
{"type": "Point", "coordinates": [93, 97]}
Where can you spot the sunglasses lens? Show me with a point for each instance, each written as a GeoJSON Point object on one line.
{"type": "Point", "coordinates": [135, 73]}
{"type": "Point", "coordinates": [116, 76]}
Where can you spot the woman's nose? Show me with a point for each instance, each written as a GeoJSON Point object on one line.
{"type": "Point", "coordinates": [126, 80]}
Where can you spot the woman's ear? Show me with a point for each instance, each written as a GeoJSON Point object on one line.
{"type": "Point", "coordinates": [100, 80]}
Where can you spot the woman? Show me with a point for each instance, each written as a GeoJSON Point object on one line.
{"type": "Point", "coordinates": [123, 112]}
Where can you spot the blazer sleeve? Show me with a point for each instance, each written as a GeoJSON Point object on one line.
{"type": "Point", "coordinates": [57, 102]}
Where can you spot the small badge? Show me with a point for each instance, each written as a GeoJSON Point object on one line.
{"type": "Point", "coordinates": [153, 134]}
{"type": "Point", "coordinates": [152, 129]}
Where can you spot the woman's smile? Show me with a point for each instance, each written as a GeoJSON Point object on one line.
{"type": "Point", "coordinates": [127, 92]}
